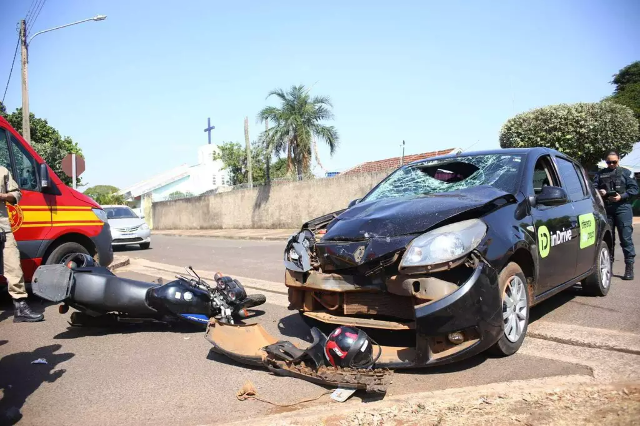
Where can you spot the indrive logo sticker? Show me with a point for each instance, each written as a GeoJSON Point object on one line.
{"type": "Point", "coordinates": [544, 241]}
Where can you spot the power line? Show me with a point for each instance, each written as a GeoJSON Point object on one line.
{"type": "Point", "coordinates": [30, 11]}
{"type": "Point", "coordinates": [11, 72]}
{"type": "Point", "coordinates": [29, 19]}
{"type": "Point", "coordinates": [37, 14]}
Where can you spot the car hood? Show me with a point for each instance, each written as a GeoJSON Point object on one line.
{"type": "Point", "coordinates": [371, 233]}
{"type": "Point", "coordinates": [125, 223]}
{"type": "Point", "coordinates": [394, 217]}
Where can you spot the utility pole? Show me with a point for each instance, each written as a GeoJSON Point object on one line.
{"type": "Point", "coordinates": [402, 160]}
{"type": "Point", "coordinates": [246, 139]}
{"type": "Point", "coordinates": [26, 126]}
{"type": "Point", "coordinates": [74, 171]}
{"type": "Point", "coordinates": [268, 152]}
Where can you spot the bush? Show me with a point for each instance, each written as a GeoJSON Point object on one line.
{"type": "Point", "coordinates": [584, 131]}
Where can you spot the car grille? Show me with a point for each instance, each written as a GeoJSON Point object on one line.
{"type": "Point", "coordinates": [127, 240]}
{"type": "Point", "coordinates": [132, 229]}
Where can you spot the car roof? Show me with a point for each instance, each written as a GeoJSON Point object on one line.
{"type": "Point", "coordinates": [506, 151]}
{"type": "Point", "coordinates": [115, 205]}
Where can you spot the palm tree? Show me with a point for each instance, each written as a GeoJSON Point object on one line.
{"type": "Point", "coordinates": [295, 124]}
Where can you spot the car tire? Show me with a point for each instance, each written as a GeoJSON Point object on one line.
{"type": "Point", "coordinates": [145, 246]}
{"type": "Point", "coordinates": [515, 320]}
{"type": "Point", "coordinates": [599, 283]}
{"type": "Point", "coordinates": [63, 250]}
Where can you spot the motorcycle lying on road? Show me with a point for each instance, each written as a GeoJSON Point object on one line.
{"type": "Point", "coordinates": [101, 298]}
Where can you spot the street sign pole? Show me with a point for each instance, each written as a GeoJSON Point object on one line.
{"type": "Point", "coordinates": [73, 171]}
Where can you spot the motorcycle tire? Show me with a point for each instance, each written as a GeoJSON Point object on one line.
{"type": "Point", "coordinates": [254, 300]}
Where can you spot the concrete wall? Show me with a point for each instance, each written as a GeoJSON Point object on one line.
{"type": "Point", "coordinates": [286, 205]}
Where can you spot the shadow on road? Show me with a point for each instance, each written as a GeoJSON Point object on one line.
{"type": "Point", "coordinates": [223, 359]}
{"type": "Point", "coordinates": [3, 342]}
{"type": "Point", "coordinates": [125, 249]}
{"type": "Point", "coordinates": [19, 378]}
{"type": "Point", "coordinates": [553, 303]}
{"type": "Point", "coordinates": [76, 332]}
{"type": "Point", "coordinates": [294, 326]}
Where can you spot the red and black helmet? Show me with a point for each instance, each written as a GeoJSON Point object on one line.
{"type": "Point", "coordinates": [349, 347]}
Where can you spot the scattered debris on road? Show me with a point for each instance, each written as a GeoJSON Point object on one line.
{"type": "Point", "coordinates": [39, 361]}
{"type": "Point", "coordinates": [248, 391]}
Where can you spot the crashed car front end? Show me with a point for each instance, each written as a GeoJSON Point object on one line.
{"type": "Point", "coordinates": [453, 305]}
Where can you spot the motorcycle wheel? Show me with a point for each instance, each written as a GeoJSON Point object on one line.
{"type": "Point", "coordinates": [254, 300]}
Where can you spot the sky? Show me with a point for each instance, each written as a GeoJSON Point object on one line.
{"type": "Point", "coordinates": [135, 90]}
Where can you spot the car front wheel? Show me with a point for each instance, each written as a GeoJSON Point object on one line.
{"type": "Point", "coordinates": [598, 283]}
{"type": "Point", "coordinates": [515, 310]}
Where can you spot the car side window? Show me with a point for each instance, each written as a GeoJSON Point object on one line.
{"type": "Point", "coordinates": [26, 176]}
{"type": "Point", "coordinates": [5, 159]}
{"type": "Point", "coordinates": [544, 174]}
{"type": "Point", "coordinates": [572, 182]}
{"type": "Point", "coordinates": [580, 172]}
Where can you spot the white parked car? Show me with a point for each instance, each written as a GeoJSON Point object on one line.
{"type": "Point", "coordinates": [127, 227]}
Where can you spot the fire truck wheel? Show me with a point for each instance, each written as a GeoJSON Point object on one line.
{"type": "Point", "coordinates": [63, 250]}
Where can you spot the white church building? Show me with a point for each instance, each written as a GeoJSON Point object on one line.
{"type": "Point", "coordinates": [205, 176]}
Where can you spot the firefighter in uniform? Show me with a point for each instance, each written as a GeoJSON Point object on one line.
{"type": "Point", "coordinates": [10, 193]}
{"type": "Point", "coordinates": [618, 186]}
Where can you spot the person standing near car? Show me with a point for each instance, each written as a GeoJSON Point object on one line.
{"type": "Point", "coordinates": [618, 186]}
{"type": "Point", "coordinates": [10, 193]}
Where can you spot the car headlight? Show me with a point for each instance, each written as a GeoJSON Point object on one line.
{"type": "Point", "coordinates": [444, 244]}
{"type": "Point", "coordinates": [144, 227]}
{"type": "Point", "coordinates": [102, 215]}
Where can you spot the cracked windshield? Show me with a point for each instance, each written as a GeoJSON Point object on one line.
{"type": "Point", "coordinates": [434, 177]}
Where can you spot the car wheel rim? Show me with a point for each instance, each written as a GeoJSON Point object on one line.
{"type": "Point", "coordinates": [605, 267]}
{"type": "Point", "coordinates": [514, 309]}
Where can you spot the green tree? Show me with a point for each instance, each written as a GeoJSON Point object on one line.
{"type": "Point", "coordinates": [295, 123]}
{"type": "Point", "coordinates": [46, 141]}
{"type": "Point", "coordinates": [627, 91]}
{"type": "Point", "coordinates": [234, 157]}
{"type": "Point", "coordinates": [584, 131]}
{"type": "Point", "coordinates": [105, 195]}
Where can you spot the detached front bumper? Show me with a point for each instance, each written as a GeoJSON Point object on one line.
{"type": "Point", "coordinates": [473, 310]}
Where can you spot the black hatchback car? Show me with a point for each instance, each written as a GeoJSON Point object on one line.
{"type": "Point", "coordinates": [454, 250]}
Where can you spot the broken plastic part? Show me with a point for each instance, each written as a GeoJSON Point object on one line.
{"type": "Point", "coordinates": [246, 344]}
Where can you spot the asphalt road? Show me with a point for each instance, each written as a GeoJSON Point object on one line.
{"type": "Point", "coordinates": [245, 258]}
{"type": "Point", "coordinates": [149, 374]}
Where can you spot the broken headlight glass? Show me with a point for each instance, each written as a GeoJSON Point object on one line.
{"type": "Point", "coordinates": [298, 252]}
{"type": "Point", "coordinates": [445, 244]}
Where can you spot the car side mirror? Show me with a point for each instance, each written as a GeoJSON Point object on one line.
{"type": "Point", "coordinates": [552, 196]}
{"type": "Point", "coordinates": [353, 202]}
{"type": "Point", "coordinates": [44, 177]}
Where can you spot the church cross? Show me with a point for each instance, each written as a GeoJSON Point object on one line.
{"type": "Point", "coordinates": [209, 129]}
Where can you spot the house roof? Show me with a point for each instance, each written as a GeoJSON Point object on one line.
{"type": "Point", "coordinates": [155, 182]}
{"type": "Point", "coordinates": [395, 162]}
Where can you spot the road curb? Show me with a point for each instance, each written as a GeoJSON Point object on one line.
{"type": "Point", "coordinates": [354, 412]}
{"type": "Point", "coordinates": [119, 263]}
{"type": "Point", "coordinates": [225, 237]}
